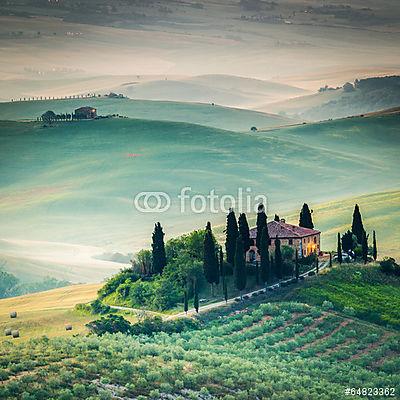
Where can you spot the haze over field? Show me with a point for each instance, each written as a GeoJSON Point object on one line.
{"type": "Point", "coordinates": [49, 48]}
{"type": "Point", "coordinates": [199, 75]}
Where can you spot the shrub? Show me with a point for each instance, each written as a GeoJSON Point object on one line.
{"type": "Point", "coordinates": [109, 324]}
{"type": "Point", "coordinates": [327, 305]}
{"type": "Point", "coordinates": [349, 310]}
{"type": "Point", "coordinates": [389, 266]}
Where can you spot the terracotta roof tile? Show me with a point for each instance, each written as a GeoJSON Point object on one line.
{"type": "Point", "coordinates": [284, 231]}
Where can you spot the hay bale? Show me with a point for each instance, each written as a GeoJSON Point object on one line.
{"type": "Point", "coordinates": [7, 332]}
{"type": "Point", "coordinates": [13, 314]}
{"type": "Point", "coordinates": [68, 327]}
{"type": "Point", "coordinates": [15, 333]}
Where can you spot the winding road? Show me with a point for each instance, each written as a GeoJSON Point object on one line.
{"type": "Point", "coordinates": [222, 303]}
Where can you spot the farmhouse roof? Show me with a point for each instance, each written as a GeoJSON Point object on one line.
{"type": "Point", "coordinates": [282, 230]}
{"type": "Point", "coordinates": [85, 108]}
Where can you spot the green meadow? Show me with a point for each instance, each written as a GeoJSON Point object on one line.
{"type": "Point", "coordinates": [76, 182]}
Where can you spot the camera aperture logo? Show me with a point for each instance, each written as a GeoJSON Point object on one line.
{"type": "Point", "coordinates": [244, 200]}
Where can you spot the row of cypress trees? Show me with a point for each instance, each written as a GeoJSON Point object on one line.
{"type": "Point", "coordinates": [358, 232]}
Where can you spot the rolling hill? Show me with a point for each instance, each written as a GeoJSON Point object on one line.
{"type": "Point", "coordinates": [227, 90]}
{"type": "Point", "coordinates": [203, 114]}
{"type": "Point", "coordinates": [48, 312]}
{"type": "Point", "coordinates": [75, 183]}
{"type": "Point", "coordinates": [369, 95]}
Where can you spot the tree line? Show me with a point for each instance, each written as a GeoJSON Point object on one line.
{"type": "Point", "coordinates": [216, 265]}
{"type": "Point", "coordinates": [354, 242]}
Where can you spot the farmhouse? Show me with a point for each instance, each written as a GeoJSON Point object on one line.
{"type": "Point", "coordinates": [85, 113]}
{"type": "Point", "coordinates": [304, 240]}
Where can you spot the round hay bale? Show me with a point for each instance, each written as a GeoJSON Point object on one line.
{"type": "Point", "coordinates": [13, 314]}
{"type": "Point", "coordinates": [15, 333]}
{"type": "Point", "coordinates": [7, 332]}
{"type": "Point", "coordinates": [68, 327]}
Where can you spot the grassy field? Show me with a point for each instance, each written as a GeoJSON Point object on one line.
{"type": "Point", "coordinates": [47, 313]}
{"type": "Point", "coordinates": [250, 351]}
{"type": "Point", "coordinates": [75, 182]}
{"type": "Point", "coordinates": [196, 113]}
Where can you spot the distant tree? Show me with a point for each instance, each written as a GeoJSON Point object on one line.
{"type": "Point", "coordinates": [305, 220]}
{"type": "Point", "coordinates": [297, 266]}
{"type": "Point", "coordinates": [357, 226]}
{"type": "Point", "coordinates": [210, 262]}
{"type": "Point", "coordinates": [257, 273]}
{"type": "Point", "coordinates": [348, 87]}
{"type": "Point", "coordinates": [339, 249]}
{"type": "Point", "coordinates": [222, 273]}
{"type": "Point", "coordinates": [239, 271]}
{"type": "Point", "coordinates": [266, 275]}
{"type": "Point", "coordinates": [48, 117]}
{"type": "Point", "coordinates": [244, 231]}
{"type": "Point", "coordinates": [196, 297]}
{"type": "Point", "coordinates": [185, 302]}
{"type": "Point", "coordinates": [158, 249]}
{"type": "Point", "coordinates": [276, 218]}
{"type": "Point", "coordinates": [278, 259]}
{"type": "Point", "coordinates": [232, 234]}
{"type": "Point", "coordinates": [317, 265]}
{"type": "Point", "coordinates": [349, 241]}
{"type": "Point", "coordinates": [364, 246]}
{"type": "Point", "coordinates": [261, 224]}
{"type": "Point", "coordinates": [144, 260]}
{"type": "Point", "coordinates": [253, 129]}
{"type": "Point", "coordinates": [374, 248]}
{"type": "Point", "coordinates": [330, 259]}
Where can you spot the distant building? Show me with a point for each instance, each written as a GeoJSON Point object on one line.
{"type": "Point", "coordinates": [303, 240]}
{"type": "Point", "coordinates": [85, 113]}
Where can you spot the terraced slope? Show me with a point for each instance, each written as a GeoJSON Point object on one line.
{"type": "Point", "coordinates": [280, 351]}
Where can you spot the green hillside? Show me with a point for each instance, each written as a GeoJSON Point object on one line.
{"type": "Point", "coordinates": [75, 182]}
{"type": "Point", "coordinates": [278, 351]}
{"type": "Point", "coordinates": [368, 95]}
{"type": "Point", "coordinates": [196, 113]}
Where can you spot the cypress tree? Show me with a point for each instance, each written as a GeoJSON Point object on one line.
{"type": "Point", "coordinates": [158, 249]}
{"type": "Point", "coordinates": [257, 273]}
{"type": "Point", "coordinates": [316, 264]}
{"type": "Point", "coordinates": [374, 248]}
{"type": "Point", "coordinates": [244, 231]}
{"type": "Point", "coordinates": [297, 272]}
{"type": "Point", "coordinates": [364, 246]}
{"type": "Point", "coordinates": [276, 218]}
{"type": "Point", "coordinates": [261, 224]}
{"type": "Point", "coordinates": [357, 226]}
{"type": "Point", "coordinates": [185, 302]}
{"type": "Point", "coordinates": [232, 234]}
{"type": "Point", "coordinates": [272, 265]}
{"type": "Point", "coordinates": [339, 249]}
{"type": "Point", "coordinates": [196, 297]}
{"type": "Point", "coordinates": [266, 275]}
{"type": "Point", "coordinates": [210, 263]}
{"type": "Point", "coordinates": [330, 259]}
{"type": "Point", "coordinates": [278, 259]}
{"type": "Point", "coordinates": [305, 220]}
{"type": "Point", "coordinates": [239, 271]}
{"type": "Point", "coordinates": [222, 273]}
